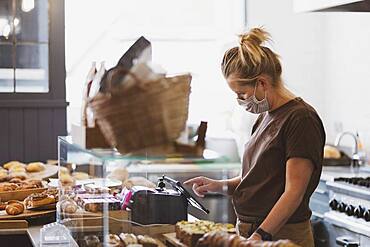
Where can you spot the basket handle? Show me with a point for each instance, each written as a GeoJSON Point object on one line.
{"type": "Point", "coordinates": [119, 71]}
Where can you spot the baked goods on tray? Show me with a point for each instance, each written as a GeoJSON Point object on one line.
{"type": "Point", "coordinates": [190, 232]}
{"type": "Point", "coordinates": [15, 184]}
{"type": "Point", "coordinates": [121, 240]}
{"type": "Point", "coordinates": [219, 238]}
{"type": "Point", "coordinates": [129, 239]}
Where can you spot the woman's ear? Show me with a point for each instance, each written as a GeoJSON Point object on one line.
{"type": "Point", "coordinates": [263, 81]}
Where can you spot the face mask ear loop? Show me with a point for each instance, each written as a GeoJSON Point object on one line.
{"type": "Point", "coordinates": [254, 94]}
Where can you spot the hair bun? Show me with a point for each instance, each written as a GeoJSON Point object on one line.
{"type": "Point", "coordinates": [250, 45]}
{"type": "Point", "coordinates": [256, 36]}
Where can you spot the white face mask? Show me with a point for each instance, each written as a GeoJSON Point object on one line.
{"type": "Point", "coordinates": [253, 105]}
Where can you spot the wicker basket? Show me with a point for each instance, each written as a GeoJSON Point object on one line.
{"type": "Point", "coordinates": [148, 115]}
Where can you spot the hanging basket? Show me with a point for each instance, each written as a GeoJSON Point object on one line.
{"type": "Point", "coordinates": [147, 115]}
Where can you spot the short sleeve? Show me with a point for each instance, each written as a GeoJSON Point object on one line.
{"type": "Point", "coordinates": [305, 138]}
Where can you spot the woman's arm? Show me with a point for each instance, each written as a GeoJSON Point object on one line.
{"type": "Point", "coordinates": [202, 185]}
{"type": "Point", "coordinates": [232, 183]}
{"type": "Point", "coordinates": [298, 174]}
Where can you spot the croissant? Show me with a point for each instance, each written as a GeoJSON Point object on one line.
{"type": "Point", "coordinates": [14, 208]}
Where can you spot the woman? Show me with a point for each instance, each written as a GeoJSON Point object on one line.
{"type": "Point", "coordinates": [282, 160]}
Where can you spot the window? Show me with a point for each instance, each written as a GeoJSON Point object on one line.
{"type": "Point", "coordinates": [24, 46]}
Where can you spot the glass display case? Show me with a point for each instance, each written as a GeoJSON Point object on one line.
{"type": "Point", "coordinates": [106, 197]}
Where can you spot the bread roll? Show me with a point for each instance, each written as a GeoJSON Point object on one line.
{"type": "Point", "coordinates": [35, 167]}
{"type": "Point", "coordinates": [66, 179]}
{"type": "Point", "coordinates": [17, 169]}
{"type": "Point", "coordinates": [63, 170]}
{"type": "Point", "coordinates": [80, 175]}
{"type": "Point", "coordinates": [331, 152]}
{"type": "Point", "coordinates": [13, 164]}
{"type": "Point", "coordinates": [20, 175]}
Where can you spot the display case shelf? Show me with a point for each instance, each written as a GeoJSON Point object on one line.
{"type": "Point", "coordinates": [103, 192]}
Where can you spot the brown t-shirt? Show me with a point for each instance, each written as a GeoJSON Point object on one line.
{"type": "Point", "coordinates": [292, 130]}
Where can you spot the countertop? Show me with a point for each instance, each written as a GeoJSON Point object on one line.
{"type": "Point", "coordinates": [328, 174]}
{"type": "Point", "coordinates": [331, 172]}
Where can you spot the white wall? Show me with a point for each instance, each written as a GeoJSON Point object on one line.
{"type": "Point", "coordinates": [347, 66]}
{"type": "Point", "coordinates": [297, 38]}
{"type": "Point", "coordinates": [325, 60]}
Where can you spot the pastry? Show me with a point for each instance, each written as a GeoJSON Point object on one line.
{"type": "Point", "coordinates": [4, 176]}
{"type": "Point", "coordinates": [63, 170]}
{"type": "Point", "coordinates": [128, 238]}
{"type": "Point", "coordinates": [20, 175]}
{"type": "Point", "coordinates": [13, 164]}
{"type": "Point", "coordinates": [119, 173]}
{"type": "Point", "coordinates": [113, 240]}
{"type": "Point", "coordinates": [66, 179]}
{"type": "Point", "coordinates": [80, 175]}
{"type": "Point", "coordinates": [68, 206]}
{"type": "Point", "coordinates": [36, 182]}
{"type": "Point", "coordinates": [17, 169]}
{"type": "Point", "coordinates": [15, 180]}
{"type": "Point", "coordinates": [53, 193]}
{"type": "Point", "coordinates": [14, 208]}
{"type": "Point", "coordinates": [190, 232]}
{"type": "Point", "coordinates": [27, 186]}
{"type": "Point", "coordinates": [92, 241]}
{"type": "Point", "coordinates": [38, 199]}
{"type": "Point", "coordinates": [8, 187]}
{"type": "Point", "coordinates": [146, 241]}
{"type": "Point", "coordinates": [35, 167]}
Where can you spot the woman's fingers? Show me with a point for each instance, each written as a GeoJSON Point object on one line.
{"type": "Point", "coordinates": [200, 190]}
{"type": "Point", "coordinates": [197, 180]}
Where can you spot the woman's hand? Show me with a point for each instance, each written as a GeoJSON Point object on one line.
{"type": "Point", "coordinates": [255, 236]}
{"type": "Point", "coordinates": [202, 185]}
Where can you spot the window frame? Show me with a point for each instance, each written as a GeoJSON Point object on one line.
{"type": "Point", "coordinates": [57, 71]}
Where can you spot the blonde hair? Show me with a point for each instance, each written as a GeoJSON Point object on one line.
{"type": "Point", "coordinates": [251, 59]}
